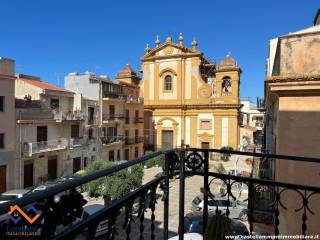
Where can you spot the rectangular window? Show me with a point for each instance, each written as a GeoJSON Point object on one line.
{"type": "Point", "coordinates": [136, 135]}
{"type": "Point", "coordinates": [136, 152]}
{"type": "Point", "coordinates": [127, 117]}
{"type": "Point", "coordinates": [137, 113]}
{"type": "Point", "coordinates": [111, 155]}
{"type": "Point", "coordinates": [42, 133]}
{"type": "Point", "coordinates": [90, 115]}
{"type": "Point", "coordinates": [1, 140]}
{"type": "Point", "coordinates": [119, 155]}
{"type": "Point", "coordinates": [111, 111]}
{"type": "Point", "coordinates": [90, 133]}
{"type": "Point", "coordinates": [85, 162]}
{"type": "Point", "coordinates": [126, 154]}
{"type": "Point", "coordinates": [205, 124]}
{"type": "Point", "coordinates": [75, 131]}
{"type": "Point", "coordinates": [1, 103]}
{"type": "Point", "coordinates": [111, 131]}
{"type": "Point", "coordinates": [54, 103]}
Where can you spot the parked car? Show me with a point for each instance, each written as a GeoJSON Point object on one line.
{"type": "Point", "coordinates": [237, 189]}
{"type": "Point", "coordinates": [237, 209]}
{"type": "Point", "coordinates": [189, 236]}
{"type": "Point", "coordinates": [193, 223]}
{"type": "Point", "coordinates": [88, 210]}
{"type": "Point", "coordinates": [13, 194]}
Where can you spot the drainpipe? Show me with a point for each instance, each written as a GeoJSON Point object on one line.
{"type": "Point", "coordinates": [20, 152]}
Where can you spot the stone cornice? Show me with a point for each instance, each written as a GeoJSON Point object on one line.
{"type": "Point", "coordinates": [294, 78]}
{"type": "Point", "coordinates": [182, 55]}
{"type": "Point", "coordinates": [7, 77]}
{"type": "Point", "coordinates": [190, 106]}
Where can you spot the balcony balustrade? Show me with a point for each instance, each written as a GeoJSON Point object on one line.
{"type": "Point", "coordinates": [111, 139]}
{"type": "Point", "coordinates": [113, 117]}
{"type": "Point", "coordinates": [77, 142]}
{"type": "Point", "coordinates": [130, 140]}
{"type": "Point", "coordinates": [138, 120]}
{"type": "Point", "coordinates": [133, 99]}
{"type": "Point", "coordinates": [139, 139]}
{"type": "Point", "coordinates": [132, 208]}
{"type": "Point", "coordinates": [31, 148]}
{"type": "Point", "coordinates": [60, 116]}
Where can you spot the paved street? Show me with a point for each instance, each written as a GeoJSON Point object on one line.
{"type": "Point", "coordinates": [193, 185]}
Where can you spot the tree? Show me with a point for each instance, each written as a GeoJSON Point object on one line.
{"type": "Point", "coordinates": [113, 186]}
{"type": "Point", "coordinates": [156, 161]}
{"type": "Point", "coordinates": [221, 168]}
{"type": "Point", "coordinates": [226, 156]}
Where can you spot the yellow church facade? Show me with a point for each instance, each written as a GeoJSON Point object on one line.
{"type": "Point", "coordinates": [188, 100]}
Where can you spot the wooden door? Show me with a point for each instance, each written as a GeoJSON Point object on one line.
{"type": "Point", "coordinates": [3, 179]}
{"type": "Point", "coordinates": [28, 175]}
{"type": "Point", "coordinates": [167, 139]}
{"type": "Point", "coordinates": [76, 164]}
{"type": "Point", "coordinates": [52, 168]}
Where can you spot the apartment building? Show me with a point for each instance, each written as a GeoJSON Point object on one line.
{"type": "Point", "coordinates": [7, 124]}
{"type": "Point", "coordinates": [54, 135]}
{"type": "Point", "coordinates": [189, 100]}
{"type": "Point", "coordinates": [251, 126]}
{"type": "Point", "coordinates": [120, 108]}
{"type": "Point", "coordinates": [134, 113]}
{"type": "Point", "coordinates": [292, 93]}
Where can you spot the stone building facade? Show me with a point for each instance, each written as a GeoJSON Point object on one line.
{"type": "Point", "coordinates": [53, 135]}
{"type": "Point", "coordinates": [187, 99]}
{"type": "Point", "coordinates": [292, 93]}
{"type": "Point", "coordinates": [7, 124]}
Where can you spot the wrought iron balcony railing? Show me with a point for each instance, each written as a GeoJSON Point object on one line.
{"type": "Point", "coordinates": [138, 120]}
{"type": "Point", "coordinates": [111, 139]}
{"type": "Point", "coordinates": [184, 163]}
{"type": "Point", "coordinates": [113, 117]}
{"type": "Point", "coordinates": [130, 140]}
{"type": "Point", "coordinates": [139, 139]}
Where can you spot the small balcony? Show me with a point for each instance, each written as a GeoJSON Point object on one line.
{"type": "Point", "coordinates": [77, 142]}
{"type": "Point", "coordinates": [138, 139]}
{"type": "Point", "coordinates": [111, 140]}
{"type": "Point", "coordinates": [188, 174]}
{"type": "Point", "coordinates": [138, 120]}
{"type": "Point", "coordinates": [32, 148]}
{"type": "Point", "coordinates": [130, 140]}
{"type": "Point", "coordinates": [60, 116]}
{"type": "Point", "coordinates": [132, 99]}
{"type": "Point", "coordinates": [113, 118]}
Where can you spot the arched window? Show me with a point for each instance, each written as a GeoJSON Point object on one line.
{"type": "Point", "coordinates": [226, 84]}
{"type": "Point", "coordinates": [167, 83]}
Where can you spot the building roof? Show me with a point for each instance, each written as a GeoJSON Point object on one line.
{"type": "Point", "coordinates": [126, 72]}
{"type": "Point", "coordinates": [227, 63]}
{"type": "Point", "coordinates": [40, 84]}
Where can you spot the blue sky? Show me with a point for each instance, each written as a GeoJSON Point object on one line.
{"type": "Point", "coordinates": [52, 38]}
